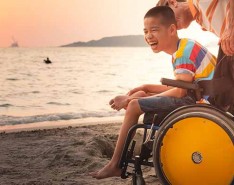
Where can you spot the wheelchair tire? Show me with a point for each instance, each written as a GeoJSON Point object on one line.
{"type": "Point", "coordinates": [137, 179]}
{"type": "Point", "coordinates": [194, 146]}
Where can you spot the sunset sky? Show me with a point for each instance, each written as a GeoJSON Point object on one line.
{"type": "Point", "coordinates": [42, 23]}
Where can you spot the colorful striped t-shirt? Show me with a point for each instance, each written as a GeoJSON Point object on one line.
{"type": "Point", "coordinates": [212, 15]}
{"type": "Point", "coordinates": [192, 58]}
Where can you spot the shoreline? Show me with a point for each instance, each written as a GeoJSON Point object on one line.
{"type": "Point", "coordinates": [60, 124]}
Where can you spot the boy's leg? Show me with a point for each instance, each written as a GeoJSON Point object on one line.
{"type": "Point", "coordinates": [131, 118]}
{"type": "Point", "coordinates": [134, 110]}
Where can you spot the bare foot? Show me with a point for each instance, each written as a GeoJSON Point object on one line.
{"type": "Point", "coordinates": [119, 102]}
{"type": "Point", "coordinates": [106, 171]}
{"type": "Point", "coordinates": [111, 101]}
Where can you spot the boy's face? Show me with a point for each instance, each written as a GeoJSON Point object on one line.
{"type": "Point", "coordinates": [156, 35]}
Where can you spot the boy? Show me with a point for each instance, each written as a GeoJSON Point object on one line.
{"type": "Point", "coordinates": [190, 62]}
{"type": "Point", "coordinates": [217, 17]}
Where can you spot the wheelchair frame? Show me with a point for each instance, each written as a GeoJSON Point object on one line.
{"type": "Point", "coordinates": [148, 148]}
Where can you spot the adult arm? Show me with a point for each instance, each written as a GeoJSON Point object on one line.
{"type": "Point", "coordinates": [227, 38]}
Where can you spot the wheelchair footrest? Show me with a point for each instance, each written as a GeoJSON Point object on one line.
{"type": "Point", "coordinates": [146, 150]}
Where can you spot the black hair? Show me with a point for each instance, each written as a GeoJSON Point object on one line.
{"type": "Point", "coordinates": [165, 13]}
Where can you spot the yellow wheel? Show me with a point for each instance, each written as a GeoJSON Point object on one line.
{"type": "Point", "coordinates": [194, 146]}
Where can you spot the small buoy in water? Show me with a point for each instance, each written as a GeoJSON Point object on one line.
{"type": "Point", "coordinates": [47, 61]}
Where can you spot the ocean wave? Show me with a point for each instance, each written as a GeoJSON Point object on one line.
{"type": "Point", "coordinates": [14, 120]}
{"type": "Point", "coordinates": [12, 79]}
{"type": "Point", "coordinates": [103, 91]}
{"type": "Point", "coordinates": [57, 103]}
{"type": "Point", "coordinates": [35, 92]}
{"type": "Point", "coordinates": [110, 74]}
{"type": "Point", "coordinates": [6, 105]}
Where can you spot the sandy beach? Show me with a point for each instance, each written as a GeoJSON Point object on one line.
{"type": "Point", "coordinates": [64, 155]}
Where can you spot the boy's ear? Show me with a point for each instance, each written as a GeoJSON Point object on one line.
{"type": "Point", "coordinates": [173, 29]}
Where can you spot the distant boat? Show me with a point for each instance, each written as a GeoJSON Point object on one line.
{"type": "Point", "coordinates": [47, 61]}
{"type": "Point", "coordinates": [14, 43]}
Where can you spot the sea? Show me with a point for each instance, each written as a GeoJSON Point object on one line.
{"type": "Point", "coordinates": [78, 84]}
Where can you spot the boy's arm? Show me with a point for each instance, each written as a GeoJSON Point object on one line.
{"type": "Point", "coordinates": [150, 88]}
{"type": "Point", "coordinates": [178, 92]}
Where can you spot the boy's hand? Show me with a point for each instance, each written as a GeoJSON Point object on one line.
{"type": "Point", "coordinates": [141, 88]}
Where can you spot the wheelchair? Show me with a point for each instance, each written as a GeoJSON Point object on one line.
{"type": "Point", "coordinates": [192, 145]}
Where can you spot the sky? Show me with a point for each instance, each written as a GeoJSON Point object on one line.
{"type": "Point", "coordinates": [46, 23]}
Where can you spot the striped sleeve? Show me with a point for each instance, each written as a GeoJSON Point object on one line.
{"type": "Point", "coordinates": [184, 65]}
{"type": "Point", "coordinates": [192, 58]}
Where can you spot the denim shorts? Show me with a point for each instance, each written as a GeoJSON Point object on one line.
{"type": "Point", "coordinates": [160, 104]}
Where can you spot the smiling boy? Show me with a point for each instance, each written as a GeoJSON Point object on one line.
{"type": "Point", "coordinates": [190, 62]}
{"type": "Point", "coordinates": [217, 17]}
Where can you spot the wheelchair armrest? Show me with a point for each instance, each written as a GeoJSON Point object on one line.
{"type": "Point", "coordinates": [180, 84]}
{"type": "Point", "coordinates": [185, 85]}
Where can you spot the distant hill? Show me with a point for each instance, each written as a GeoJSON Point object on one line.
{"type": "Point", "coordinates": [115, 41]}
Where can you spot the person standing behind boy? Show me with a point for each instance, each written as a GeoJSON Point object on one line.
{"type": "Point", "coordinates": [216, 16]}
{"type": "Point", "coordinates": [160, 33]}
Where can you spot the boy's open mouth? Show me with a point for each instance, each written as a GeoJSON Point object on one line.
{"type": "Point", "coordinates": [153, 43]}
